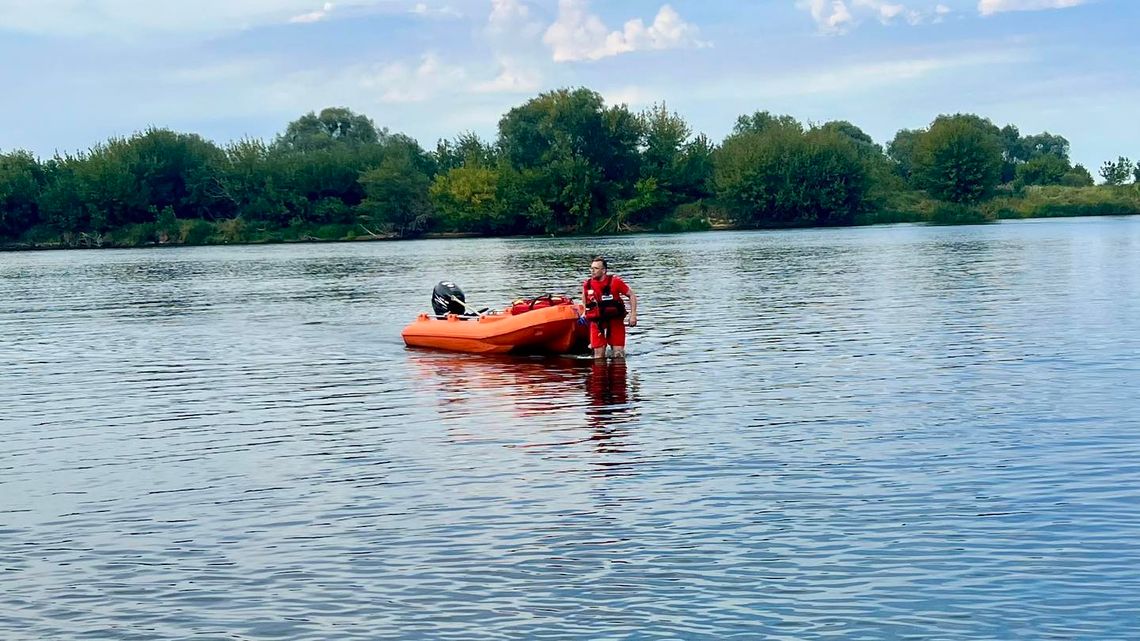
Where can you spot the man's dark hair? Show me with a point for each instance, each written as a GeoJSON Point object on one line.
{"type": "Point", "coordinates": [599, 259]}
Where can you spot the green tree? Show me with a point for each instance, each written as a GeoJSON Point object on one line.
{"type": "Point", "coordinates": [959, 159]}
{"type": "Point", "coordinates": [664, 136]}
{"type": "Point", "coordinates": [901, 152]}
{"type": "Point", "coordinates": [524, 199]}
{"type": "Point", "coordinates": [1012, 147]}
{"type": "Point", "coordinates": [317, 183]}
{"type": "Point", "coordinates": [1078, 176]}
{"type": "Point", "coordinates": [648, 204]}
{"type": "Point", "coordinates": [107, 191]}
{"type": "Point", "coordinates": [405, 145]}
{"type": "Point", "coordinates": [1018, 150]}
{"type": "Point", "coordinates": [1013, 152]}
{"type": "Point", "coordinates": [761, 121]}
{"type": "Point", "coordinates": [174, 170]}
{"type": "Point", "coordinates": [255, 184]}
{"type": "Point", "coordinates": [580, 155]}
{"type": "Point", "coordinates": [329, 174]}
{"type": "Point", "coordinates": [882, 174]}
{"type": "Point", "coordinates": [63, 202]}
{"type": "Point", "coordinates": [128, 180]}
{"type": "Point", "coordinates": [619, 157]}
{"type": "Point", "coordinates": [332, 126]}
{"type": "Point", "coordinates": [467, 149]}
{"type": "Point", "coordinates": [784, 176]}
{"type": "Point", "coordinates": [675, 168]}
{"type": "Point", "coordinates": [466, 199]}
{"type": "Point", "coordinates": [397, 196]}
{"type": "Point", "coordinates": [1116, 173]}
{"type": "Point", "coordinates": [857, 135]}
{"type": "Point", "coordinates": [1045, 169]}
{"type": "Point", "coordinates": [21, 180]}
{"type": "Point", "coordinates": [1045, 144]}
{"type": "Point", "coordinates": [695, 171]}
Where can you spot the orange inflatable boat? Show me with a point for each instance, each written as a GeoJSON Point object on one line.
{"type": "Point", "coordinates": [547, 324]}
{"type": "Point", "coordinates": [551, 327]}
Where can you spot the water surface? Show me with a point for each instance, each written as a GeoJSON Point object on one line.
{"type": "Point", "coordinates": [873, 433]}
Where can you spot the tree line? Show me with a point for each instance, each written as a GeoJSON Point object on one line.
{"type": "Point", "coordinates": [563, 162]}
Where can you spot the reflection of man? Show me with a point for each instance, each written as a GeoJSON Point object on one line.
{"type": "Point", "coordinates": [606, 383]}
{"type": "Point", "coordinates": [609, 413]}
{"type": "Point", "coordinates": [602, 292]}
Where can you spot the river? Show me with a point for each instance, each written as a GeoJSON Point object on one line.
{"type": "Point", "coordinates": [867, 433]}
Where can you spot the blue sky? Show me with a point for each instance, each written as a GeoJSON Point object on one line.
{"type": "Point", "coordinates": [77, 72]}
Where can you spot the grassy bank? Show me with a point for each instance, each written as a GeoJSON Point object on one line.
{"type": "Point", "coordinates": [1057, 201]}
{"type": "Point", "coordinates": [192, 232]}
{"type": "Point", "coordinates": [1031, 202]}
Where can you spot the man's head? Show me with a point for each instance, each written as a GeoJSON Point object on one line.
{"type": "Point", "coordinates": [598, 267]}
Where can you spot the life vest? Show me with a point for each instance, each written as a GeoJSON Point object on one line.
{"type": "Point", "coordinates": [601, 302]}
{"type": "Point", "coordinates": [523, 305]}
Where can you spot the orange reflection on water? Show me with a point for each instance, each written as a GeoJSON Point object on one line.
{"type": "Point", "coordinates": [546, 393]}
{"type": "Point", "coordinates": [607, 383]}
{"type": "Point", "coordinates": [530, 387]}
{"type": "Point", "coordinates": [609, 411]}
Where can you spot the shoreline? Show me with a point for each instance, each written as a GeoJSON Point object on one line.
{"type": "Point", "coordinates": [308, 239]}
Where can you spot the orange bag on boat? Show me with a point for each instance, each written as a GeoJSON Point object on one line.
{"type": "Point", "coordinates": [523, 305]}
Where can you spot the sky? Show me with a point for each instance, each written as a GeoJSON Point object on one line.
{"type": "Point", "coordinates": [78, 72]}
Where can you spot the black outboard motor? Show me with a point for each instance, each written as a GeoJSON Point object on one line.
{"type": "Point", "coordinates": [443, 299]}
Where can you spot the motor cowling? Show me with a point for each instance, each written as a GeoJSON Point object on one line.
{"type": "Point", "coordinates": [447, 298]}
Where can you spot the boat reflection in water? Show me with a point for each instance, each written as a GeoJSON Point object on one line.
{"type": "Point", "coordinates": [543, 400]}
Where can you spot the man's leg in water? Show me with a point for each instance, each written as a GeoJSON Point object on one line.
{"type": "Point", "coordinates": [597, 340]}
{"type": "Point", "coordinates": [616, 337]}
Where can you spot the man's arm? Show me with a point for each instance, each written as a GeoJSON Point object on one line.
{"type": "Point", "coordinates": [632, 307]}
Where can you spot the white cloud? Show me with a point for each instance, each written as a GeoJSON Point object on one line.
{"type": "Point", "coordinates": [512, 32]}
{"type": "Point", "coordinates": [990, 7]}
{"type": "Point", "coordinates": [511, 19]}
{"type": "Point", "coordinates": [840, 16]}
{"type": "Point", "coordinates": [261, 86]}
{"type": "Point", "coordinates": [401, 82]}
{"type": "Point", "coordinates": [445, 11]}
{"type": "Point", "coordinates": [514, 77]}
{"type": "Point", "coordinates": [361, 86]}
{"type": "Point", "coordinates": [831, 16]}
{"type": "Point", "coordinates": [581, 35]}
{"type": "Point", "coordinates": [886, 11]}
{"type": "Point", "coordinates": [136, 19]}
{"type": "Point", "coordinates": [314, 16]}
{"type": "Point", "coordinates": [577, 33]}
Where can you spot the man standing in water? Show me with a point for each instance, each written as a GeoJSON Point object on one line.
{"type": "Point", "coordinates": [602, 293]}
